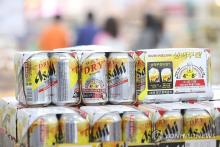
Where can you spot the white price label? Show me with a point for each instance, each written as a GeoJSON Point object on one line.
{"type": "Point", "coordinates": [201, 143]}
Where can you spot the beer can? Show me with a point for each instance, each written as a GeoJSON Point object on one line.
{"type": "Point", "coordinates": [136, 127]}
{"type": "Point", "coordinates": [64, 79]}
{"type": "Point", "coordinates": [169, 126]}
{"type": "Point", "coordinates": [217, 122]}
{"type": "Point", "coordinates": [36, 77]}
{"type": "Point", "coordinates": [107, 128]}
{"type": "Point", "coordinates": [197, 123]}
{"type": "Point", "coordinates": [73, 129]}
{"type": "Point", "coordinates": [121, 78]}
{"type": "Point", "coordinates": [140, 73]}
{"type": "Point", "coordinates": [43, 132]}
{"type": "Point", "coordinates": [94, 79]}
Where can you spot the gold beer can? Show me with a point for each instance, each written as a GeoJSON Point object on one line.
{"type": "Point", "coordinates": [169, 126]}
{"type": "Point", "coordinates": [107, 128]}
{"type": "Point", "coordinates": [197, 124]}
{"type": "Point", "coordinates": [136, 127]}
{"type": "Point", "coordinates": [73, 128]}
{"type": "Point", "coordinates": [43, 132]}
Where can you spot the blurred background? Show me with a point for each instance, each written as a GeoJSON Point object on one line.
{"type": "Point", "coordinates": [122, 24]}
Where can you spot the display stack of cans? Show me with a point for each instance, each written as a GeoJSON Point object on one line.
{"type": "Point", "coordinates": [45, 77]}
{"type": "Point", "coordinates": [97, 75]}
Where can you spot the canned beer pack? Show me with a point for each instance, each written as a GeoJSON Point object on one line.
{"type": "Point", "coordinates": [173, 74]}
{"type": "Point", "coordinates": [106, 76]}
{"type": "Point", "coordinates": [118, 123]}
{"type": "Point", "coordinates": [51, 125]}
{"type": "Point", "coordinates": [8, 112]}
{"type": "Point", "coordinates": [214, 108]}
{"type": "Point", "coordinates": [167, 122]}
{"type": "Point", "coordinates": [175, 121]}
{"type": "Point", "coordinates": [45, 77]}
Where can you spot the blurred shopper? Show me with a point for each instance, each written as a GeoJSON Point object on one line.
{"type": "Point", "coordinates": [87, 32]}
{"type": "Point", "coordinates": [163, 38]}
{"type": "Point", "coordinates": [153, 34]}
{"type": "Point", "coordinates": [55, 35]}
{"type": "Point", "coordinates": [110, 35]}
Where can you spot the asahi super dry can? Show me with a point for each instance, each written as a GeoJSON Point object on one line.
{"type": "Point", "coordinates": [43, 131]}
{"type": "Point", "coordinates": [217, 122]}
{"type": "Point", "coordinates": [136, 127]}
{"type": "Point", "coordinates": [168, 126]}
{"type": "Point", "coordinates": [64, 80]}
{"type": "Point", "coordinates": [107, 128]}
{"type": "Point", "coordinates": [94, 79]}
{"type": "Point", "coordinates": [73, 129]}
{"type": "Point", "coordinates": [140, 73]}
{"type": "Point", "coordinates": [197, 124]}
{"type": "Point", "coordinates": [121, 78]}
{"type": "Point", "coordinates": [36, 78]}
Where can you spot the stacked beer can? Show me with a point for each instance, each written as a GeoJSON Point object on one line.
{"type": "Point", "coordinates": [90, 94]}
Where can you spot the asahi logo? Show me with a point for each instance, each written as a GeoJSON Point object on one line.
{"type": "Point", "coordinates": [146, 137]}
{"type": "Point", "coordinates": [118, 70]}
{"type": "Point", "coordinates": [101, 132]}
{"type": "Point", "coordinates": [44, 75]}
{"type": "Point", "coordinates": [140, 73]}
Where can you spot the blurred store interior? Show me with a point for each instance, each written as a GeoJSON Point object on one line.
{"type": "Point", "coordinates": [122, 24]}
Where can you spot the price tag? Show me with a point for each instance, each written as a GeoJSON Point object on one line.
{"type": "Point", "coordinates": [201, 143]}
{"type": "Point", "coordinates": [173, 144]}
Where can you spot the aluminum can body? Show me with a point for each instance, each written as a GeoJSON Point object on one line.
{"type": "Point", "coordinates": [43, 132]}
{"type": "Point", "coordinates": [107, 128]}
{"type": "Point", "coordinates": [217, 122]}
{"type": "Point", "coordinates": [136, 127]}
{"type": "Point", "coordinates": [73, 129]}
{"type": "Point", "coordinates": [36, 77]}
{"type": "Point", "coordinates": [121, 78]}
{"type": "Point", "coordinates": [169, 126]}
{"type": "Point", "coordinates": [140, 74]}
{"type": "Point", "coordinates": [94, 83]}
{"type": "Point", "coordinates": [64, 80]}
{"type": "Point", "coordinates": [197, 124]}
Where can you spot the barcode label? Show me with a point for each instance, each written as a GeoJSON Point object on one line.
{"type": "Point", "coordinates": [28, 92]}
{"type": "Point", "coordinates": [63, 76]}
{"type": "Point", "coordinates": [201, 143]}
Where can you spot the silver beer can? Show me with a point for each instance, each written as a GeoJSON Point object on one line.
{"type": "Point", "coordinates": [198, 123]}
{"type": "Point", "coordinates": [64, 79]}
{"type": "Point", "coordinates": [107, 128]}
{"type": "Point", "coordinates": [217, 122]}
{"type": "Point", "coordinates": [43, 131]}
{"type": "Point", "coordinates": [36, 78]}
{"type": "Point", "coordinates": [168, 126]}
{"type": "Point", "coordinates": [121, 78]}
{"type": "Point", "coordinates": [73, 128]}
{"type": "Point", "coordinates": [140, 73]}
{"type": "Point", "coordinates": [94, 83]}
{"type": "Point", "coordinates": [136, 127]}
